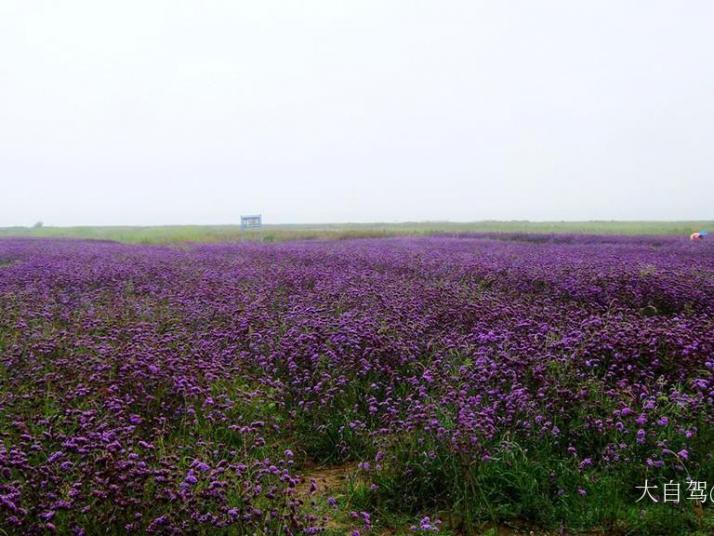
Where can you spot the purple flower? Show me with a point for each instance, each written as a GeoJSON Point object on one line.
{"type": "Point", "coordinates": [55, 456]}
{"type": "Point", "coordinates": [129, 362]}
{"type": "Point", "coordinates": [201, 466]}
{"type": "Point", "coordinates": [427, 525]}
{"type": "Point", "coordinates": [191, 477]}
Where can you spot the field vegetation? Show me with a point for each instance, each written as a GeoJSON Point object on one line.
{"type": "Point", "coordinates": [460, 384]}
{"type": "Point", "coordinates": [269, 233]}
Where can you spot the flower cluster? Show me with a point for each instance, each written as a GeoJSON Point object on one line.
{"type": "Point", "coordinates": [165, 390]}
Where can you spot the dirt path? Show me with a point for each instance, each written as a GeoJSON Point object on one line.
{"type": "Point", "coordinates": [329, 480]}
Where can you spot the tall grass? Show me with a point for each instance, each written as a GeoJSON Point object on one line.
{"type": "Point", "coordinates": [268, 233]}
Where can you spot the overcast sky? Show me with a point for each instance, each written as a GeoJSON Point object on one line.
{"type": "Point", "coordinates": [169, 112]}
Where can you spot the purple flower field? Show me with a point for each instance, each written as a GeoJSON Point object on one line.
{"type": "Point", "coordinates": [458, 381]}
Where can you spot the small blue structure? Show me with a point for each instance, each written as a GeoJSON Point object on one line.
{"type": "Point", "coordinates": [254, 221]}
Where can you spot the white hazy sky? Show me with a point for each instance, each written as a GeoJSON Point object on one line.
{"type": "Point", "coordinates": [178, 111]}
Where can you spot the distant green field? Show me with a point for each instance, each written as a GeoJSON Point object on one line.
{"type": "Point", "coordinates": [221, 233]}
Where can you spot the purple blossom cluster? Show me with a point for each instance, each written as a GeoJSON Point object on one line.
{"type": "Point", "coordinates": [171, 390]}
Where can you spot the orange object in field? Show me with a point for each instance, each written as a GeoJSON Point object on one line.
{"type": "Point", "coordinates": [695, 236]}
